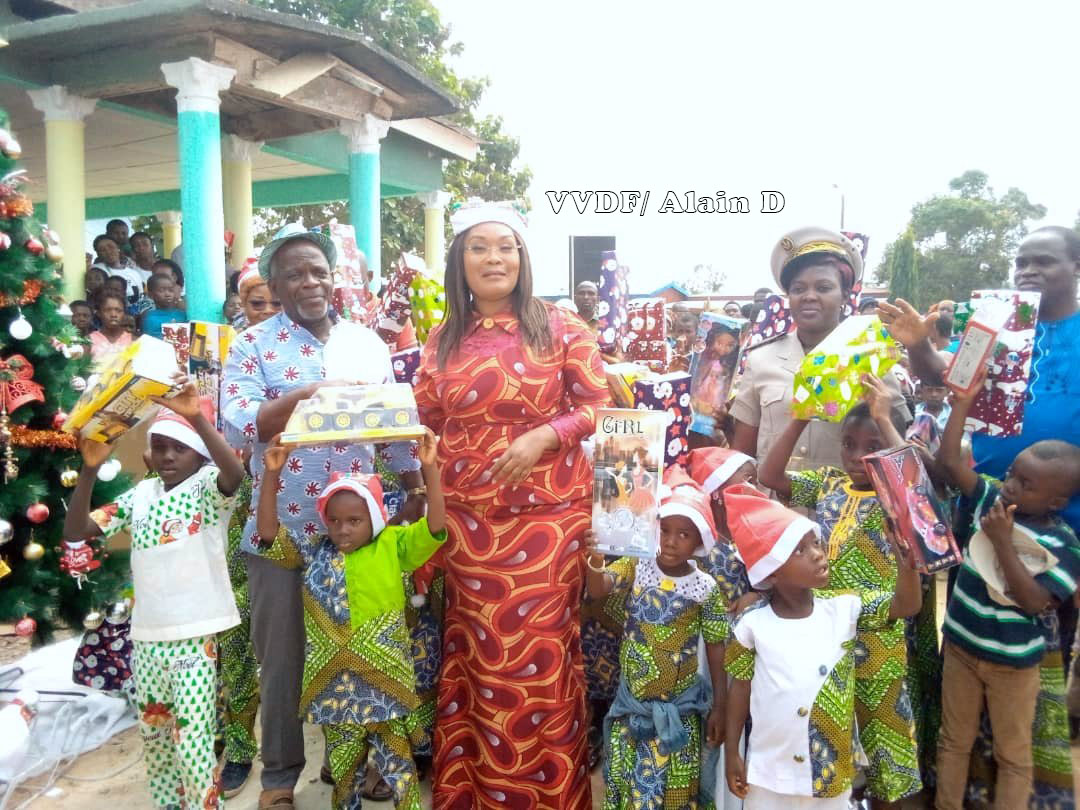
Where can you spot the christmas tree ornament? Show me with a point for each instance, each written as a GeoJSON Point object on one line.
{"type": "Point", "coordinates": [5, 240]}
{"type": "Point", "coordinates": [78, 384]}
{"type": "Point", "coordinates": [64, 311]}
{"type": "Point", "coordinates": [25, 626]}
{"type": "Point", "coordinates": [119, 612]}
{"type": "Point", "coordinates": [58, 420]}
{"type": "Point", "coordinates": [54, 253]}
{"type": "Point", "coordinates": [7, 531]}
{"type": "Point", "coordinates": [69, 478]}
{"type": "Point", "coordinates": [34, 246]}
{"type": "Point", "coordinates": [11, 468]}
{"type": "Point", "coordinates": [37, 512]}
{"type": "Point", "coordinates": [9, 146]}
{"type": "Point", "coordinates": [93, 619]}
{"type": "Point", "coordinates": [109, 470]}
{"type": "Point", "coordinates": [20, 328]}
{"type": "Point", "coordinates": [33, 551]}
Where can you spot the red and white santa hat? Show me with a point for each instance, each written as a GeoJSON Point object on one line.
{"type": "Point", "coordinates": [249, 277]}
{"type": "Point", "coordinates": [368, 487]}
{"type": "Point", "coordinates": [174, 426]}
{"type": "Point", "coordinates": [764, 531]}
{"type": "Point", "coordinates": [711, 467]}
{"type": "Point", "coordinates": [679, 495]}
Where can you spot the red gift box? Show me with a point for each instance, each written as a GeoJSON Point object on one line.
{"type": "Point", "coordinates": [646, 334]}
{"type": "Point", "coordinates": [913, 513]}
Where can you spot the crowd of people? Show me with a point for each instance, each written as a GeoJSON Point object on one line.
{"type": "Point", "coordinates": [779, 651]}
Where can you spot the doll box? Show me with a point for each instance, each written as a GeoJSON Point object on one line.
{"type": "Point", "coordinates": [120, 397]}
{"type": "Point", "coordinates": [628, 449]}
{"type": "Point", "coordinates": [355, 413]}
{"type": "Point", "coordinates": [913, 513]}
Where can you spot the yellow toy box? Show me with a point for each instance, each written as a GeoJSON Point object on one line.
{"type": "Point", "coordinates": [121, 395]}
{"type": "Point", "coordinates": [355, 413]}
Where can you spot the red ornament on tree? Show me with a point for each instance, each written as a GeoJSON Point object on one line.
{"type": "Point", "coordinates": [37, 512]}
{"type": "Point", "coordinates": [34, 245]}
{"type": "Point", "coordinates": [25, 626]}
{"type": "Point", "coordinates": [58, 420]}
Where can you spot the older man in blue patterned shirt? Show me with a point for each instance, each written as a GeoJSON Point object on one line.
{"type": "Point", "coordinates": [271, 367]}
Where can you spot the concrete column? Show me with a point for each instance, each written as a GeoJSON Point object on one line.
{"type": "Point", "coordinates": [198, 136]}
{"type": "Point", "coordinates": [237, 155]}
{"type": "Point", "coordinates": [65, 175]}
{"type": "Point", "coordinates": [170, 231]}
{"type": "Point", "coordinates": [435, 230]}
{"type": "Point", "coordinates": [364, 187]}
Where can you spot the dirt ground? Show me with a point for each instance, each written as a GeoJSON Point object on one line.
{"type": "Point", "coordinates": [114, 777]}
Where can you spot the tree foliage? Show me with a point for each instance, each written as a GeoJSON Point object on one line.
{"type": "Point", "coordinates": [412, 30]}
{"type": "Point", "coordinates": [966, 239]}
{"type": "Point", "coordinates": [904, 271]}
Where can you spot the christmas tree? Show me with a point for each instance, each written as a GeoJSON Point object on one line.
{"type": "Point", "coordinates": [43, 366]}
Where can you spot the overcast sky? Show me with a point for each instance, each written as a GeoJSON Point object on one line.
{"type": "Point", "coordinates": [742, 97]}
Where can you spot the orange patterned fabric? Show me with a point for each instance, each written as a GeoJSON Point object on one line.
{"type": "Point", "coordinates": [510, 725]}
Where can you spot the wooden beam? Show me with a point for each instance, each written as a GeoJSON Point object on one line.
{"type": "Point", "coordinates": [292, 74]}
{"type": "Point", "coordinates": [106, 74]}
{"type": "Point", "coordinates": [270, 125]}
{"type": "Point", "coordinates": [323, 96]}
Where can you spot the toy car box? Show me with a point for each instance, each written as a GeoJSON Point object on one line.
{"type": "Point", "coordinates": [355, 413]}
{"type": "Point", "coordinates": [120, 397]}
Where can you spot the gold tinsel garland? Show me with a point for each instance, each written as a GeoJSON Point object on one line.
{"type": "Point", "coordinates": [53, 439]}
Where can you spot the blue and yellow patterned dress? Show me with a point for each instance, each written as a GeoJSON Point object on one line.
{"type": "Point", "coordinates": [664, 617]}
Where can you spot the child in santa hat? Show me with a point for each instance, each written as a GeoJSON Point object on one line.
{"type": "Point", "coordinates": [667, 604]}
{"type": "Point", "coordinates": [177, 522]}
{"type": "Point", "coordinates": [359, 681]}
{"type": "Point", "coordinates": [715, 469]}
{"type": "Point", "coordinates": [861, 556]}
{"type": "Point", "coordinates": [792, 658]}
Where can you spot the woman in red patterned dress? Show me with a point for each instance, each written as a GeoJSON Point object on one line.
{"type": "Point", "coordinates": [511, 385]}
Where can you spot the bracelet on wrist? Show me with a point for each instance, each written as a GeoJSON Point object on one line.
{"type": "Point", "coordinates": [601, 570]}
{"type": "Point", "coordinates": [416, 491]}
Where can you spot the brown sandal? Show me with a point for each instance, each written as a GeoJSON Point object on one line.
{"type": "Point", "coordinates": [277, 799]}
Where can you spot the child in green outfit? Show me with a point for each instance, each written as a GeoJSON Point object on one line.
{"type": "Point", "coordinates": [358, 671]}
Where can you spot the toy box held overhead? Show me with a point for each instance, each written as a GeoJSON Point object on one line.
{"type": "Point", "coordinates": [713, 366]}
{"type": "Point", "coordinates": [646, 334]}
{"type": "Point", "coordinates": [829, 383]}
{"type": "Point", "coordinates": [669, 394]}
{"type": "Point", "coordinates": [120, 397]}
{"type": "Point", "coordinates": [913, 513]}
{"type": "Point", "coordinates": [612, 298]}
{"type": "Point", "coordinates": [355, 413]}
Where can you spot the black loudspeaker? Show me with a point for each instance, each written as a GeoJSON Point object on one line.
{"type": "Point", "coordinates": [585, 258]}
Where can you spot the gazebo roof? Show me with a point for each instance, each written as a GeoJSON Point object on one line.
{"type": "Point", "coordinates": [293, 76]}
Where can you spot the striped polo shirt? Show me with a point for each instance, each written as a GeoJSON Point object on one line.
{"type": "Point", "coordinates": [995, 632]}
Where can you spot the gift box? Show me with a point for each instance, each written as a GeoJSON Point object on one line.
{"type": "Point", "coordinates": [628, 448]}
{"type": "Point", "coordinates": [713, 366]}
{"type": "Point", "coordinates": [621, 378]}
{"type": "Point", "coordinates": [121, 395]}
{"type": "Point", "coordinates": [913, 513]}
{"type": "Point", "coordinates": [829, 383]}
{"type": "Point", "coordinates": [355, 413]}
{"type": "Point", "coordinates": [646, 334]}
{"type": "Point", "coordinates": [614, 293]}
{"type": "Point", "coordinates": [178, 335]}
{"type": "Point", "coordinates": [427, 299]}
{"type": "Point", "coordinates": [999, 409]}
{"type": "Point", "coordinates": [351, 292]}
{"type": "Point", "coordinates": [395, 306]}
{"type": "Point", "coordinates": [206, 358]}
{"type": "Point", "coordinates": [669, 394]}
{"type": "Point", "coordinates": [772, 320]}
{"type": "Point", "coordinates": [406, 365]}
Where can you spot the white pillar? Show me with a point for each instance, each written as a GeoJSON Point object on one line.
{"type": "Point", "coordinates": [435, 230]}
{"type": "Point", "coordinates": [65, 175]}
{"type": "Point", "coordinates": [236, 157]}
